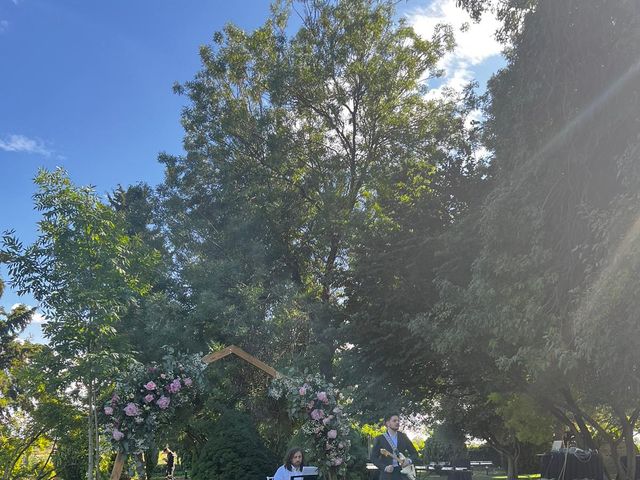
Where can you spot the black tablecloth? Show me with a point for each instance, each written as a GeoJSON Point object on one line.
{"type": "Point", "coordinates": [459, 475]}
{"type": "Point", "coordinates": [576, 469]}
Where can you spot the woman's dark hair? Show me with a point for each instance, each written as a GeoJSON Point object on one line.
{"type": "Point", "coordinates": [289, 456]}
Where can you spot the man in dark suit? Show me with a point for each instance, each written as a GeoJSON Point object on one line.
{"type": "Point", "coordinates": [393, 441]}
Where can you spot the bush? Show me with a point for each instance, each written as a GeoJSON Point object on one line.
{"type": "Point", "coordinates": [70, 458]}
{"type": "Point", "coordinates": [233, 450]}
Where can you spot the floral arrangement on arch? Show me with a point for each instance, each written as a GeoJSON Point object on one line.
{"type": "Point", "coordinates": [313, 401]}
{"type": "Point", "coordinates": [148, 396]}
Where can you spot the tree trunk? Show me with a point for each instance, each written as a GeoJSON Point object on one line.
{"type": "Point", "coordinates": [630, 448]}
{"type": "Point", "coordinates": [96, 432]}
{"type": "Point", "coordinates": [90, 463]}
{"type": "Point", "coordinates": [512, 466]}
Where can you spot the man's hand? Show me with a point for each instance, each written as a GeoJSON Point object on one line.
{"type": "Point", "coordinates": [388, 469]}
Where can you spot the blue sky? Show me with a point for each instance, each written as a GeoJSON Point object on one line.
{"type": "Point", "coordinates": [87, 85]}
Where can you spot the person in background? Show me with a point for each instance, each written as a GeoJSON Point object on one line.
{"type": "Point", "coordinates": [293, 463]}
{"type": "Point", "coordinates": [170, 458]}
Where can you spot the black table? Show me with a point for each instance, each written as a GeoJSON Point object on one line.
{"type": "Point", "coordinates": [577, 467]}
{"type": "Point", "coordinates": [459, 475]}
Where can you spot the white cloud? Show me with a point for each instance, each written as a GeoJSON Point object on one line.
{"type": "Point", "coordinates": [21, 143]}
{"type": "Point", "coordinates": [475, 42]}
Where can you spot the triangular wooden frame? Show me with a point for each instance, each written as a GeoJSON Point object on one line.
{"type": "Point", "coordinates": [232, 349]}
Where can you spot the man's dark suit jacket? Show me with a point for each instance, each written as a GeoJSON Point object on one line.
{"type": "Point", "coordinates": [404, 446]}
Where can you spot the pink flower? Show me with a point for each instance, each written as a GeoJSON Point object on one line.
{"type": "Point", "coordinates": [117, 435]}
{"type": "Point", "coordinates": [302, 390]}
{"type": "Point", "coordinates": [317, 414]}
{"type": "Point", "coordinates": [326, 420]}
{"type": "Point", "coordinates": [150, 386]}
{"type": "Point", "coordinates": [131, 410]}
{"type": "Point", "coordinates": [115, 399]}
{"type": "Point", "coordinates": [149, 398]}
{"type": "Point", "coordinates": [163, 376]}
{"type": "Point", "coordinates": [332, 434]}
{"type": "Point", "coordinates": [188, 382]}
{"type": "Point", "coordinates": [337, 461]}
{"type": "Point", "coordinates": [322, 396]}
{"type": "Point", "coordinates": [163, 402]}
{"type": "Point", "coordinates": [174, 387]}
{"type": "Point", "coordinates": [108, 411]}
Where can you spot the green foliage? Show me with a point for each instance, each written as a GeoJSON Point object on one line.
{"type": "Point", "coordinates": [523, 415]}
{"type": "Point", "coordinates": [11, 325]}
{"type": "Point", "coordinates": [33, 416]}
{"type": "Point", "coordinates": [557, 249]}
{"type": "Point", "coordinates": [85, 270]}
{"type": "Point", "coordinates": [70, 458]}
{"type": "Point", "coordinates": [445, 444]}
{"type": "Point", "coordinates": [294, 143]}
{"type": "Point", "coordinates": [233, 450]}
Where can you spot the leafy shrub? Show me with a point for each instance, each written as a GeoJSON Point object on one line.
{"type": "Point", "coordinates": [70, 458]}
{"type": "Point", "coordinates": [233, 450]}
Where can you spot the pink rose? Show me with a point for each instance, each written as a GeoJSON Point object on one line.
{"type": "Point", "coordinates": [322, 396]}
{"type": "Point", "coordinates": [302, 390]}
{"type": "Point", "coordinates": [337, 461]}
{"type": "Point", "coordinates": [326, 420]}
{"type": "Point", "coordinates": [131, 410]}
{"type": "Point", "coordinates": [317, 414]}
{"type": "Point", "coordinates": [332, 434]}
{"type": "Point", "coordinates": [108, 411]}
{"type": "Point", "coordinates": [150, 386]}
{"type": "Point", "coordinates": [117, 435]}
{"type": "Point", "coordinates": [163, 402]}
{"type": "Point", "coordinates": [148, 398]}
{"type": "Point", "coordinates": [115, 399]}
{"type": "Point", "coordinates": [175, 386]}
{"type": "Point", "coordinates": [188, 382]}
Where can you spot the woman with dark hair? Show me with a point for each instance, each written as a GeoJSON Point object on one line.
{"type": "Point", "coordinates": [293, 463]}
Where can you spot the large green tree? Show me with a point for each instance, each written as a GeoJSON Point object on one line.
{"type": "Point", "coordinates": [85, 270]}
{"type": "Point", "coordinates": [552, 283]}
{"type": "Point", "coordinates": [297, 146]}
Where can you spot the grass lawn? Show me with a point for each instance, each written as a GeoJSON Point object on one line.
{"type": "Point", "coordinates": [499, 475]}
